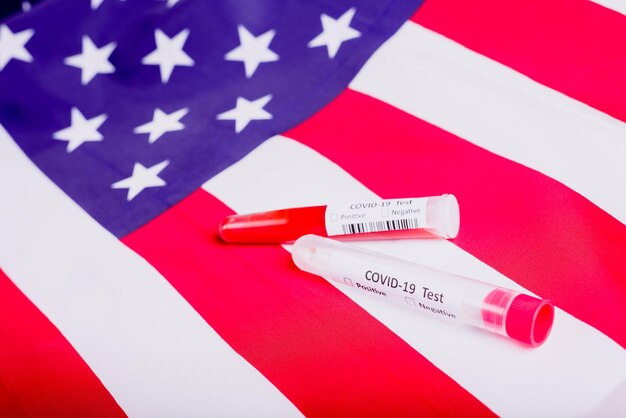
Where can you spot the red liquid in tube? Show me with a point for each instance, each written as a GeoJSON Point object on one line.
{"type": "Point", "coordinates": [423, 217]}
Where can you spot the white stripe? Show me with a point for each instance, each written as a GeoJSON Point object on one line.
{"type": "Point", "coordinates": [151, 350]}
{"type": "Point", "coordinates": [494, 107]}
{"type": "Point", "coordinates": [576, 368]}
{"type": "Point", "coordinates": [617, 5]}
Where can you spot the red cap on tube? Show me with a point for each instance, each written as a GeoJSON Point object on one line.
{"type": "Point", "coordinates": [521, 317]}
{"type": "Point", "coordinates": [529, 319]}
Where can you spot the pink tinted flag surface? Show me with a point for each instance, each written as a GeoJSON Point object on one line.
{"type": "Point", "coordinates": [129, 130]}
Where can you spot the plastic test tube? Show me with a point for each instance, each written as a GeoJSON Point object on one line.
{"type": "Point", "coordinates": [376, 219]}
{"type": "Point", "coordinates": [437, 293]}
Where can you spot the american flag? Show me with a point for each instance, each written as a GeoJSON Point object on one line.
{"type": "Point", "coordinates": [130, 129]}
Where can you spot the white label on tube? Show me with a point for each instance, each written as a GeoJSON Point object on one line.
{"type": "Point", "coordinates": [397, 286]}
{"type": "Point", "coordinates": [375, 216]}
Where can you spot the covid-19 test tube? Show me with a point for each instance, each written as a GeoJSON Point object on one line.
{"type": "Point", "coordinates": [434, 292]}
{"type": "Point", "coordinates": [421, 217]}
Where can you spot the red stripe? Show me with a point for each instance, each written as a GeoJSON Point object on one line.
{"type": "Point", "coordinates": [321, 350]}
{"type": "Point", "coordinates": [40, 372]}
{"type": "Point", "coordinates": [574, 46]}
{"type": "Point", "coordinates": [531, 228]}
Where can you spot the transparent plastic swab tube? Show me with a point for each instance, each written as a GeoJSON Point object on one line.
{"type": "Point", "coordinates": [434, 292]}
{"type": "Point", "coordinates": [436, 216]}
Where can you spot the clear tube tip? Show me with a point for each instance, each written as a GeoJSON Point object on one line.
{"type": "Point", "coordinates": [443, 215]}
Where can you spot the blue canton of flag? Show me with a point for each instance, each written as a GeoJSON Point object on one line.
{"type": "Point", "coordinates": [130, 106]}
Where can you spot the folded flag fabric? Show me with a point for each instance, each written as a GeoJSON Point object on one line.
{"type": "Point", "coordinates": [9, 7]}
{"type": "Point", "coordinates": [129, 129]}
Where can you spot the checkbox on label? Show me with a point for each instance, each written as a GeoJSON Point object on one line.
{"type": "Point", "coordinates": [333, 217]}
{"type": "Point", "coordinates": [410, 301]}
{"type": "Point", "coordinates": [384, 213]}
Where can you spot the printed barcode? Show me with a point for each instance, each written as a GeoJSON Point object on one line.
{"type": "Point", "coordinates": [391, 225]}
